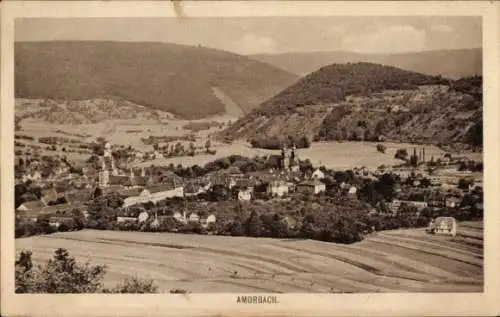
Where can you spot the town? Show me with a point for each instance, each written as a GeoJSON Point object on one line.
{"type": "Point", "coordinates": [274, 195]}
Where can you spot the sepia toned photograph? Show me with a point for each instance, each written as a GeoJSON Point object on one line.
{"type": "Point", "coordinates": [237, 159]}
{"type": "Point", "coordinates": [266, 154]}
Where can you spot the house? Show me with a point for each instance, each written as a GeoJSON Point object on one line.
{"type": "Point", "coordinates": [121, 180]}
{"type": "Point", "coordinates": [244, 194]}
{"type": "Point", "coordinates": [351, 192]}
{"type": "Point", "coordinates": [181, 217]}
{"type": "Point", "coordinates": [443, 226]}
{"type": "Point", "coordinates": [436, 201]}
{"type": "Point", "coordinates": [192, 190]}
{"type": "Point", "coordinates": [207, 220]}
{"type": "Point", "coordinates": [311, 187]}
{"type": "Point", "coordinates": [143, 216]}
{"type": "Point", "coordinates": [34, 205]}
{"type": "Point", "coordinates": [193, 217]}
{"type": "Point", "coordinates": [277, 188]}
{"type": "Point", "coordinates": [49, 195]}
{"type": "Point", "coordinates": [122, 219]}
{"type": "Point", "coordinates": [56, 222]}
{"type": "Point", "coordinates": [290, 222]}
{"type": "Point", "coordinates": [394, 206]}
{"type": "Point", "coordinates": [452, 202]}
{"type": "Point", "coordinates": [318, 174]}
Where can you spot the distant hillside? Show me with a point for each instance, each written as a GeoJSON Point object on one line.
{"type": "Point", "coordinates": [85, 111]}
{"type": "Point", "coordinates": [365, 101]}
{"type": "Point", "coordinates": [448, 63]}
{"type": "Point", "coordinates": [169, 77]}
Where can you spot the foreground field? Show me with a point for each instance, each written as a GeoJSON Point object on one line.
{"type": "Point", "coordinates": [391, 261]}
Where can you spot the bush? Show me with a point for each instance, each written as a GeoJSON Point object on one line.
{"type": "Point", "coordinates": [401, 154]}
{"type": "Point", "coordinates": [381, 148]}
{"type": "Point", "coordinates": [134, 285]}
{"type": "Point", "coordinates": [62, 274]}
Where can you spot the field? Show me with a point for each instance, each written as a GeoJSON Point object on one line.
{"type": "Point", "coordinates": [335, 155]}
{"type": "Point", "coordinates": [391, 261]}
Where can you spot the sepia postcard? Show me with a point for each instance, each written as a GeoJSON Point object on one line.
{"type": "Point", "coordinates": [253, 158]}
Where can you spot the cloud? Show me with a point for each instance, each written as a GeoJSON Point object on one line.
{"type": "Point", "coordinates": [253, 44]}
{"type": "Point", "coordinates": [441, 28]}
{"type": "Point", "coordinates": [387, 39]}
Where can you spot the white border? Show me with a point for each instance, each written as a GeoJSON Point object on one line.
{"type": "Point", "coordinates": [407, 304]}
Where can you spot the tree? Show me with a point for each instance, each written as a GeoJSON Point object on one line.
{"type": "Point", "coordinates": [253, 225]}
{"type": "Point", "coordinates": [381, 148]}
{"type": "Point", "coordinates": [61, 274]}
{"type": "Point", "coordinates": [401, 154]}
{"type": "Point", "coordinates": [464, 184]}
{"type": "Point", "coordinates": [134, 285]}
{"type": "Point", "coordinates": [192, 149]}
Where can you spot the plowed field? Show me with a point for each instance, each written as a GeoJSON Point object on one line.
{"type": "Point", "coordinates": [390, 261]}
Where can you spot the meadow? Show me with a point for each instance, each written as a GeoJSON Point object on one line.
{"type": "Point", "coordinates": [335, 155]}
{"type": "Point", "coordinates": [403, 260]}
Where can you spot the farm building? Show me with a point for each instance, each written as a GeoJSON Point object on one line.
{"type": "Point", "coordinates": [443, 226]}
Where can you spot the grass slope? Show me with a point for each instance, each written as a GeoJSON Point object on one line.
{"type": "Point", "coordinates": [448, 63]}
{"type": "Point", "coordinates": [168, 77]}
{"type": "Point", "coordinates": [391, 261]}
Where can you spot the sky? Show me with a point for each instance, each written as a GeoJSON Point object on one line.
{"type": "Point", "coordinates": [258, 35]}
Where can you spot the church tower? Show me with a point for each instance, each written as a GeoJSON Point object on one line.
{"type": "Point", "coordinates": [285, 158]}
{"type": "Point", "coordinates": [103, 175]}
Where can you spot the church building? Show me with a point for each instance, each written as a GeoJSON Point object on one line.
{"type": "Point", "coordinates": [289, 159]}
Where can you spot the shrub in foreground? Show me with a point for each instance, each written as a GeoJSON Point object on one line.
{"type": "Point", "coordinates": [62, 274]}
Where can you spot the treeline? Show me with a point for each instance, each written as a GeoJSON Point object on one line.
{"type": "Point", "coordinates": [167, 139]}
{"type": "Point", "coordinates": [275, 143]}
{"type": "Point", "coordinates": [203, 125]}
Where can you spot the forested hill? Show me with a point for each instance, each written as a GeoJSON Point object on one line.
{"type": "Point", "coordinates": [365, 101]}
{"type": "Point", "coordinates": [333, 83]}
{"type": "Point", "coordinates": [452, 64]}
{"type": "Point", "coordinates": [170, 77]}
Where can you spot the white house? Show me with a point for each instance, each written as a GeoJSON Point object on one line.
{"type": "Point", "coordinates": [277, 188]}
{"type": "Point", "coordinates": [312, 187]}
{"type": "Point", "coordinates": [181, 217]}
{"type": "Point", "coordinates": [121, 219]}
{"type": "Point", "coordinates": [318, 174]}
{"type": "Point", "coordinates": [206, 221]}
{"type": "Point", "coordinates": [194, 217]}
{"type": "Point", "coordinates": [143, 216]}
{"type": "Point", "coordinates": [245, 194]}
